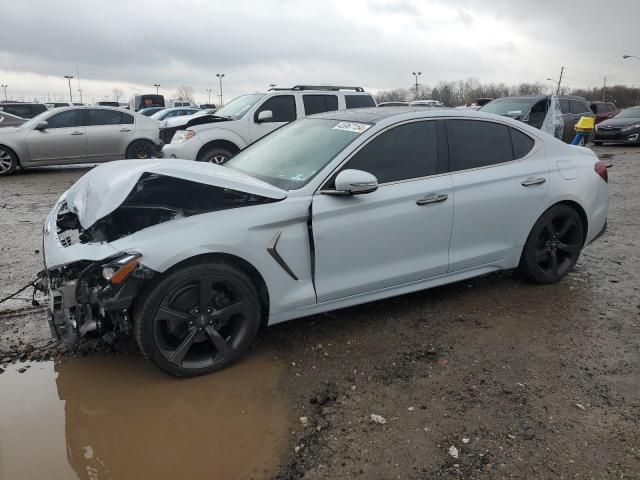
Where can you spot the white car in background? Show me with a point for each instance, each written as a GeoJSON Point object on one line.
{"type": "Point", "coordinates": [168, 113]}
{"type": "Point", "coordinates": [250, 117]}
{"type": "Point", "coordinates": [330, 211]}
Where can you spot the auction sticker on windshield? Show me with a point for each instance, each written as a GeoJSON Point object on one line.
{"type": "Point", "coordinates": [352, 127]}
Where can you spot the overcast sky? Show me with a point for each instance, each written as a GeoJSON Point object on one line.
{"type": "Point", "coordinates": [132, 44]}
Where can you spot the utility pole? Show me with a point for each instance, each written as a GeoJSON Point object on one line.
{"type": "Point", "coordinates": [5, 91]}
{"type": "Point", "coordinates": [560, 81]}
{"type": "Point", "coordinates": [604, 88]}
{"type": "Point", "coordinates": [220, 75]}
{"type": "Point", "coordinates": [417, 75]}
{"type": "Point", "coordinates": [69, 77]}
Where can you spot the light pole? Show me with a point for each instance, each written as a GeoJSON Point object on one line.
{"type": "Point", "coordinates": [209, 92]}
{"type": "Point", "coordinates": [69, 77]}
{"type": "Point", "coordinates": [554, 81]}
{"type": "Point", "coordinates": [5, 91]}
{"type": "Point", "coordinates": [157, 85]}
{"type": "Point", "coordinates": [80, 92]}
{"type": "Point", "coordinates": [630, 56]}
{"type": "Point", "coordinates": [220, 75]}
{"type": "Point", "coordinates": [417, 75]}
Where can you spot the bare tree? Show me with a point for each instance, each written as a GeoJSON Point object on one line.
{"type": "Point", "coordinates": [184, 93]}
{"type": "Point", "coordinates": [118, 93]}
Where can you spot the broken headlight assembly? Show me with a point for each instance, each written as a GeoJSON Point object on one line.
{"type": "Point", "coordinates": [118, 270]}
{"type": "Point", "coordinates": [182, 136]}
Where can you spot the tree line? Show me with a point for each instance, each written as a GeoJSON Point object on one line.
{"type": "Point", "coordinates": [463, 91]}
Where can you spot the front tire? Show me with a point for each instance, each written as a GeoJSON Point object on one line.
{"type": "Point", "coordinates": [198, 319]}
{"type": "Point", "coordinates": [216, 155]}
{"type": "Point", "coordinates": [553, 246]}
{"type": "Point", "coordinates": [140, 150]}
{"type": "Point", "coordinates": [8, 162]}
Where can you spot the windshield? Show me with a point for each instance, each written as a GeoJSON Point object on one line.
{"type": "Point", "coordinates": [629, 113]}
{"type": "Point", "coordinates": [511, 108]}
{"type": "Point", "coordinates": [237, 107]}
{"type": "Point", "coordinates": [291, 156]}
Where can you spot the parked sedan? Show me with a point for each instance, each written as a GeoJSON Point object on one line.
{"type": "Point", "coordinates": [147, 112]}
{"type": "Point", "coordinates": [623, 128]}
{"type": "Point", "coordinates": [604, 110]}
{"type": "Point", "coordinates": [77, 135]}
{"type": "Point", "coordinates": [333, 210]}
{"type": "Point", "coordinates": [173, 112]}
{"type": "Point", "coordinates": [9, 120]}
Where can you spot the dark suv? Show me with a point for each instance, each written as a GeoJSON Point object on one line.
{"type": "Point", "coordinates": [24, 110]}
{"type": "Point", "coordinates": [604, 110]}
{"type": "Point", "coordinates": [532, 109]}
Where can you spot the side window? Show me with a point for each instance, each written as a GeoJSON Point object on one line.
{"type": "Point", "coordinates": [564, 105]}
{"type": "Point", "coordinates": [103, 117]}
{"type": "Point", "coordinates": [126, 119]}
{"type": "Point", "coordinates": [319, 103]}
{"type": "Point", "coordinates": [474, 143]}
{"type": "Point", "coordinates": [359, 101]}
{"type": "Point", "coordinates": [576, 106]}
{"type": "Point", "coordinates": [282, 106]}
{"type": "Point", "coordinates": [70, 118]}
{"type": "Point", "coordinates": [522, 143]}
{"type": "Point", "coordinates": [405, 152]}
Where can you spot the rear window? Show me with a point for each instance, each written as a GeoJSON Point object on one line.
{"type": "Point", "coordinates": [522, 143]}
{"type": "Point", "coordinates": [577, 107]}
{"type": "Point", "coordinates": [319, 103]}
{"type": "Point", "coordinates": [474, 143]}
{"type": "Point", "coordinates": [359, 101]}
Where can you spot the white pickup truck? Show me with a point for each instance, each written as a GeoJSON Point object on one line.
{"type": "Point", "coordinates": [217, 137]}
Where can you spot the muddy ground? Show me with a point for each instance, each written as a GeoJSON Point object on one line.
{"type": "Point", "coordinates": [523, 381]}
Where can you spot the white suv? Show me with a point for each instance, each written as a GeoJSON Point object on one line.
{"type": "Point", "coordinates": [250, 117]}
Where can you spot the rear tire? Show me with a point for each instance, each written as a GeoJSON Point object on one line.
{"type": "Point", "coordinates": [597, 144]}
{"type": "Point", "coordinates": [216, 155]}
{"type": "Point", "coordinates": [140, 150]}
{"type": "Point", "coordinates": [8, 162]}
{"type": "Point", "coordinates": [197, 319]}
{"type": "Point", "coordinates": [553, 246]}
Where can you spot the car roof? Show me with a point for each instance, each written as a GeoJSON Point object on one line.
{"type": "Point", "coordinates": [539, 97]}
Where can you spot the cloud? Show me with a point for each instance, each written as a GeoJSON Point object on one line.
{"type": "Point", "coordinates": [376, 43]}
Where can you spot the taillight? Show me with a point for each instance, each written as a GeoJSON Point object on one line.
{"type": "Point", "coordinates": [601, 169]}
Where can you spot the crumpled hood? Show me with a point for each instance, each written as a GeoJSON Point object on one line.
{"type": "Point", "coordinates": [102, 190]}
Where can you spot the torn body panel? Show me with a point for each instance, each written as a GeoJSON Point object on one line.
{"type": "Point", "coordinates": [87, 236]}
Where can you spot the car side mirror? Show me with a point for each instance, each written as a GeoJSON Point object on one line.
{"type": "Point", "coordinates": [42, 125]}
{"type": "Point", "coordinates": [265, 115]}
{"type": "Point", "coordinates": [354, 182]}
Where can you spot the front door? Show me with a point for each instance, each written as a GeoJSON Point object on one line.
{"type": "Point", "coordinates": [283, 111]}
{"type": "Point", "coordinates": [500, 179]}
{"type": "Point", "coordinates": [396, 235]}
{"type": "Point", "coordinates": [63, 140]}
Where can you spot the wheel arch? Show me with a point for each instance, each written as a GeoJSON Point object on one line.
{"type": "Point", "coordinates": [581, 212]}
{"type": "Point", "coordinates": [12, 150]}
{"type": "Point", "coordinates": [144, 139]}
{"type": "Point", "coordinates": [251, 271]}
{"type": "Point", "coordinates": [221, 143]}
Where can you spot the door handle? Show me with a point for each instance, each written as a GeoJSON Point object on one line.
{"type": "Point", "coordinates": [77, 133]}
{"type": "Point", "coordinates": [125, 129]}
{"type": "Point", "coordinates": [533, 181]}
{"type": "Point", "coordinates": [431, 198]}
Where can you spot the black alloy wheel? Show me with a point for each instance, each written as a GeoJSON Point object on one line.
{"type": "Point", "coordinates": [198, 320]}
{"type": "Point", "coordinates": [553, 246]}
{"type": "Point", "coordinates": [140, 150]}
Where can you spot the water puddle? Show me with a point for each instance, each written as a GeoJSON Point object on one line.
{"type": "Point", "coordinates": [118, 418]}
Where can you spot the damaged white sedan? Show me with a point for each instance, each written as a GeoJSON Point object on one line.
{"type": "Point", "coordinates": [327, 212]}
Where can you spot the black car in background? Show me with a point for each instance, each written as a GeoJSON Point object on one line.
{"type": "Point", "coordinates": [623, 128]}
{"type": "Point", "coordinates": [532, 109]}
{"type": "Point", "coordinates": [24, 110]}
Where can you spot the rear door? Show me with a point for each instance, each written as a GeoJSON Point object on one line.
{"type": "Point", "coordinates": [398, 234]}
{"type": "Point", "coordinates": [108, 134]}
{"type": "Point", "coordinates": [63, 140]}
{"type": "Point", "coordinates": [500, 179]}
{"type": "Point", "coordinates": [283, 109]}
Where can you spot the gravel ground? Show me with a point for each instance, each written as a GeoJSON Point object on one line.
{"type": "Point", "coordinates": [489, 378]}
